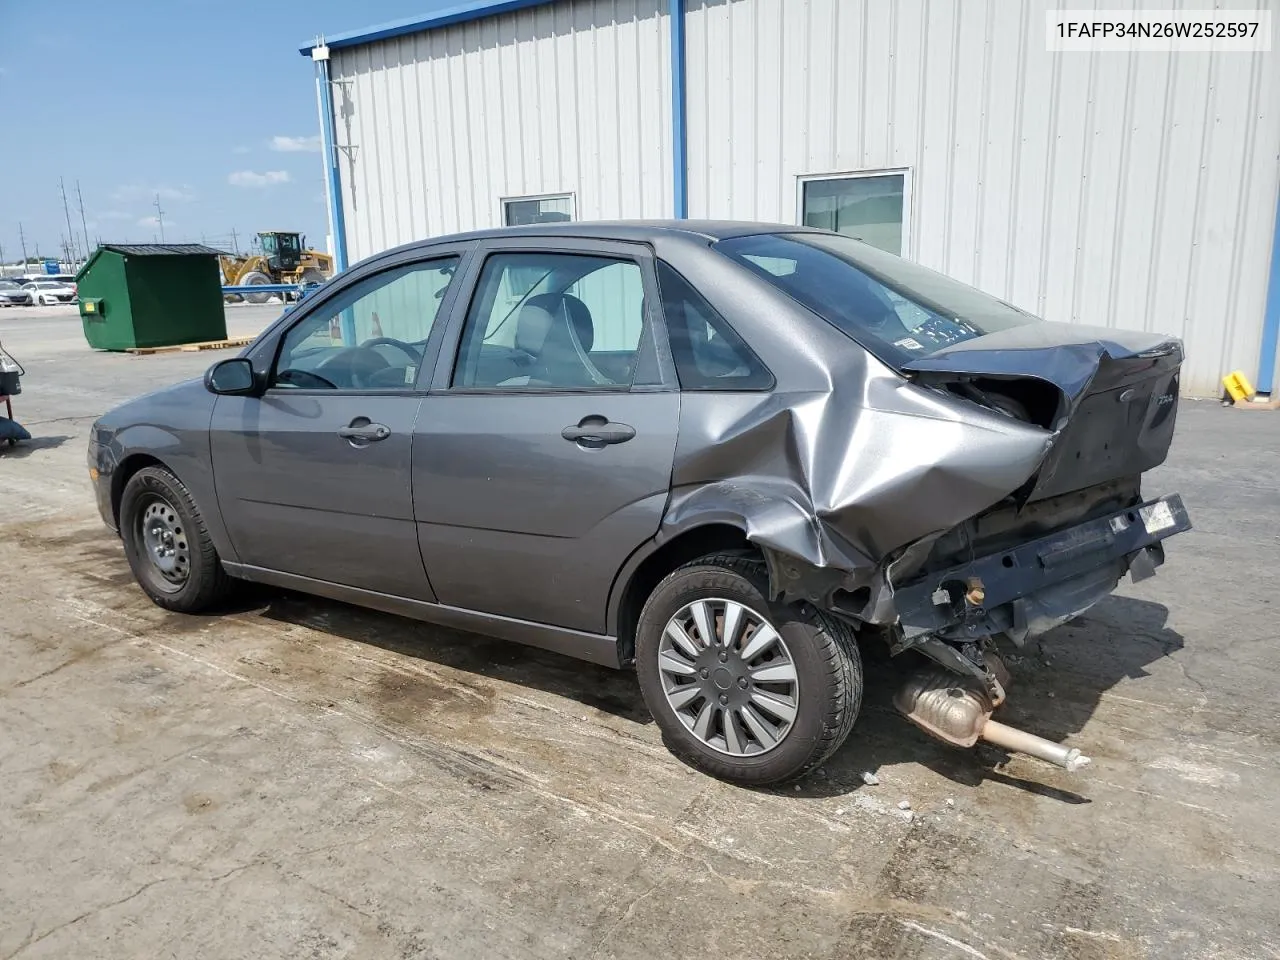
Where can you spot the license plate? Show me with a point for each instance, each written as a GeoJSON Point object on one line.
{"type": "Point", "coordinates": [1157, 517]}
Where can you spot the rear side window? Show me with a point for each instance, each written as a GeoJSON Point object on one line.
{"type": "Point", "coordinates": [709, 355]}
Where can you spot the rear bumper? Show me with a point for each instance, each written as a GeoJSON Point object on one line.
{"type": "Point", "coordinates": [1025, 590]}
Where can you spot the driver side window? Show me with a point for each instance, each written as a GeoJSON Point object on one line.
{"type": "Point", "coordinates": [371, 337]}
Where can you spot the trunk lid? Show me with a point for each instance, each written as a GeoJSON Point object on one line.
{"type": "Point", "coordinates": [1118, 395]}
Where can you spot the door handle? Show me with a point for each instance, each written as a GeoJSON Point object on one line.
{"type": "Point", "coordinates": [596, 431]}
{"type": "Point", "coordinates": [361, 429]}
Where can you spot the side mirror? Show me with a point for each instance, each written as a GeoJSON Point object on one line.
{"type": "Point", "coordinates": [232, 378]}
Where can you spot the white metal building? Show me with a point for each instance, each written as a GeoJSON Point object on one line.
{"type": "Point", "coordinates": [1113, 189]}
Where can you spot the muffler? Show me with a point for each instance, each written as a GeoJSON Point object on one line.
{"type": "Point", "coordinates": [956, 710]}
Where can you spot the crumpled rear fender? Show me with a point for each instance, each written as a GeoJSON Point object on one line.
{"type": "Point", "coordinates": [835, 486]}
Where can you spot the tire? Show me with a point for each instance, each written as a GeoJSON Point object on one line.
{"type": "Point", "coordinates": [195, 581]}
{"type": "Point", "coordinates": [820, 652]}
{"type": "Point", "coordinates": [254, 278]}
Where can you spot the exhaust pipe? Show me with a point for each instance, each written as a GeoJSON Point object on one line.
{"type": "Point", "coordinates": [1019, 741]}
{"type": "Point", "coordinates": [953, 709]}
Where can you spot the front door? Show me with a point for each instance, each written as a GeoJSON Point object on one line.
{"type": "Point", "coordinates": [542, 458]}
{"type": "Point", "coordinates": [314, 477]}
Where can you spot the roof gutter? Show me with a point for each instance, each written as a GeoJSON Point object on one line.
{"type": "Point", "coordinates": [462, 13]}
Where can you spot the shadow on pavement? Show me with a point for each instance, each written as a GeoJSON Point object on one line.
{"type": "Point", "coordinates": [25, 448]}
{"type": "Point", "coordinates": [1056, 687]}
{"type": "Point", "coordinates": [612, 691]}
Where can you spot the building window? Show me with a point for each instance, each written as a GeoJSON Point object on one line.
{"type": "Point", "coordinates": [521, 210]}
{"type": "Point", "coordinates": [869, 206]}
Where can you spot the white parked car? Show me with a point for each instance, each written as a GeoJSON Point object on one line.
{"type": "Point", "coordinates": [46, 292]}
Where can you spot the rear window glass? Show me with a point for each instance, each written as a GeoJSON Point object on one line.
{"type": "Point", "coordinates": [709, 354]}
{"type": "Point", "coordinates": [897, 309]}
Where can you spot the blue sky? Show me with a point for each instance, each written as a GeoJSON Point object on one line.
{"type": "Point", "coordinates": [210, 105]}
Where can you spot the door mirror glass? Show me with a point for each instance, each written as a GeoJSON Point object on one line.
{"type": "Point", "coordinates": [232, 377]}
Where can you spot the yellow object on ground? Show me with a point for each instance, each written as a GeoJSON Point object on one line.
{"type": "Point", "coordinates": [1238, 386]}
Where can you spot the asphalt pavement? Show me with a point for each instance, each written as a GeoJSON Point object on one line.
{"type": "Point", "coordinates": [299, 778]}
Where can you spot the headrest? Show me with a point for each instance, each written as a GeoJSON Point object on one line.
{"type": "Point", "coordinates": [539, 314]}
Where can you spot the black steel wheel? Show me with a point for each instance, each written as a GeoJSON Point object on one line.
{"type": "Point", "coordinates": [744, 688]}
{"type": "Point", "coordinates": [168, 545]}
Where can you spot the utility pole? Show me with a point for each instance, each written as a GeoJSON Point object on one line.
{"type": "Point", "coordinates": [67, 212]}
{"type": "Point", "coordinates": [235, 241]}
{"type": "Point", "coordinates": [83, 226]}
{"type": "Point", "coordinates": [22, 238]}
{"type": "Point", "coordinates": [160, 217]}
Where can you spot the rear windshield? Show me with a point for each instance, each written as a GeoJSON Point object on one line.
{"type": "Point", "coordinates": [897, 309]}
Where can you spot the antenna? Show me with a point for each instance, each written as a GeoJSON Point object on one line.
{"type": "Point", "coordinates": [67, 212]}
{"type": "Point", "coordinates": [83, 226]}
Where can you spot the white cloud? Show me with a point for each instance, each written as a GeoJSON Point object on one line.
{"type": "Point", "coordinates": [154, 223]}
{"type": "Point", "coordinates": [139, 192]}
{"type": "Point", "coordinates": [114, 215]}
{"type": "Point", "coordinates": [295, 144]}
{"type": "Point", "coordinates": [240, 149]}
{"type": "Point", "coordinates": [247, 178]}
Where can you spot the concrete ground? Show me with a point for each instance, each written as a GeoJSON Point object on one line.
{"type": "Point", "coordinates": [298, 778]}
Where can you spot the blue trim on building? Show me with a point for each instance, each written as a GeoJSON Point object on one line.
{"type": "Point", "coordinates": [460, 13]}
{"type": "Point", "coordinates": [679, 114]}
{"type": "Point", "coordinates": [1271, 316]}
{"type": "Point", "coordinates": [328, 144]}
{"type": "Point", "coordinates": [330, 148]}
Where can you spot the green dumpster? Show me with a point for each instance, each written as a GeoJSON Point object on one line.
{"type": "Point", "coordinates": [151, 295]}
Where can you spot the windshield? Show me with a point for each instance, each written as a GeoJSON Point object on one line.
{"type": "Point", "coordinates": [8, 285]}
{"type": "Point", "coordinates": [897, 309]}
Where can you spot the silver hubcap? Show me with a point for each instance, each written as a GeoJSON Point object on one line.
{"type": "Point", "coordinates": [166, 542]}
{"type": "Point", "coordinates": [729, 677]}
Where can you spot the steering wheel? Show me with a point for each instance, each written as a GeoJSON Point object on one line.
{"type": "Point", "coordinates": [305, 379]}
{"type": "Point", "coordinates": [358, 363]}
{"type": "Point", "coordinates": [400, 345]}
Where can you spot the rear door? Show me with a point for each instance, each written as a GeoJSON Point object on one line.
{"type": "Point", "coordinates": [542, 457]}
{"type": "Point", "coordinates": [314, 476]}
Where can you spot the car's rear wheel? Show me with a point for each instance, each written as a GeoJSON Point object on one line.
{"type": "Point", "coordinates": [168, 545]}
{"type": "Point", "coordinates": [742, 687]}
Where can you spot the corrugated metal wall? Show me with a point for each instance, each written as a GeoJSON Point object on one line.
{"type": "Point", "coordinates": [436, 127]}
{"type": "Point", "coordinates": [1127, 190]}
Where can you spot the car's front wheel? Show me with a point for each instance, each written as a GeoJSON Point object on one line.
{"type": "Point", "coordinates": [742, 687]}
{"type": "Point", "coordinates": [168, 545]}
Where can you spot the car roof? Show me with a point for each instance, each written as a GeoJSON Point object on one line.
{"type": "Point", "coordinates": [635, 231]}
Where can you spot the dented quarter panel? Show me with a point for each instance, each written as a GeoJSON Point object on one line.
{"type": "Point", "coordinates": [847, 465]}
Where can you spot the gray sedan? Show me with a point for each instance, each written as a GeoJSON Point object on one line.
{"type": "Point", "coordinates": [13, 295]}
{"type": "Point", "coordinates": [725, 454]}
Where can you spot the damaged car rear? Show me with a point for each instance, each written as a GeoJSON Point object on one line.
{"type": "Point", "coordinates": [725, 453]}
{"type": "Point", "coordinates": [974, 477]}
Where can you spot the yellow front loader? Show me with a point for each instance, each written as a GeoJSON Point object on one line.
{"type": "Point", "coordinates": [284, 259]}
